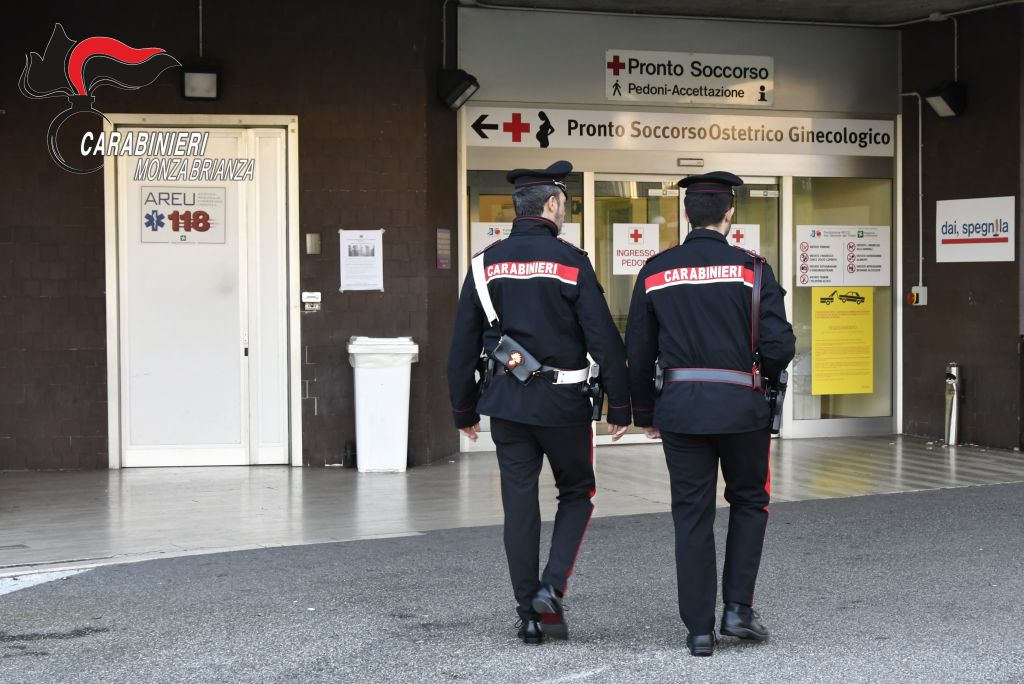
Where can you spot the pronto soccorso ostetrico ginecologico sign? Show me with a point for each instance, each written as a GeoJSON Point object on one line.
{"type": "Point", "coordinates": [689, 78]}
{"type": "Point", "coordinates": [682, 132]}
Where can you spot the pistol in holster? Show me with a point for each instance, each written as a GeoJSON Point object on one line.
{"type": "Point", "coordinates": [594, 390]}
{"type": "Point", "coordinates": [776, 396]}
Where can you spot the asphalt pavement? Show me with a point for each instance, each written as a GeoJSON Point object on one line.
{"type": "Point", "coordinates": [917, 587]}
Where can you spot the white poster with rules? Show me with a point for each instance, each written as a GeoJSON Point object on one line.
{"type": "Point", "coordinates": [981, 229]}
{"type": "Point", "coordinates": [632, 245]}
{"type": "Point", "coordinates": [839, 256]}
{"type": "Point", "coordinates": [362, 259]}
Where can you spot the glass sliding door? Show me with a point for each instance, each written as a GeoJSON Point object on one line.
{"type": "Point", "coordinates": [841, 287]}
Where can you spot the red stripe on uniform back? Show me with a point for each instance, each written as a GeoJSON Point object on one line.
{"type": "Point", "coordinates": [522, 270]}
{"type": "Point", "coordinates": [700, 275]}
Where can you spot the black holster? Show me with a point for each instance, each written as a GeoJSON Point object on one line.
{"type": "Point", "coordinates": [659, 379]}
{"type": "Point", "coordinates": [776, 396]}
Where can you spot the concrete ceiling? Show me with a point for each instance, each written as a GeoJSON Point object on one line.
{"type": "Point", "coordinates": [867, 12]}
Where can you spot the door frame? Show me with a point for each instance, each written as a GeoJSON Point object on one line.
{"type": "Point", "coordinates": [288, 123]}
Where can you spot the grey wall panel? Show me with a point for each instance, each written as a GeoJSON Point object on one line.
{"type": "Point", "coordinates": [547, 57]}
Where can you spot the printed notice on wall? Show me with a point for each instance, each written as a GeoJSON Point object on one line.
{"type": "Point", "coordinates": [745, 235]}
{"type": "Point", "coordinates": [975, 230]}
{"type": "Point", "coordinates": [633, 244]}
{"type": "Point", "coordinates": [362, 259]}
{"type": "Point", "coordinates": [483, 233]}
{"type": "Point", "coordinates": [183, 215]}
{"type": "Point", "coordinates": [444, 248]}
{"type": "Point", "coordinates": [834, 256]}
{"type": "Point", "coordinates": [842, 340]}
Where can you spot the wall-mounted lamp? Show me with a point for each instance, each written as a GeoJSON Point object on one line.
{"type": "Point", "coordinates": [200, 83]}
{"type": "Point", "coordinates": [949, 99]}
{"type": "Point", "coordinates": [455, 86]}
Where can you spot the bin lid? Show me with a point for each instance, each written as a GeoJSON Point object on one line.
{"type": "Point", "coordinates": [382, 345]}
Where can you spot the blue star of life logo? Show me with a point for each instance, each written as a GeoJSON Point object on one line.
{"type": "Point", "coordinates": [154, 220]}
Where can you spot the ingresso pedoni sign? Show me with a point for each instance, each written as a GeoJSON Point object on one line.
{"type": "Point", "coordinates": [689, 78]}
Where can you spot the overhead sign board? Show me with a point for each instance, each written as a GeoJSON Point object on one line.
{"type": "Point", "coordinates": [689, 78]}
{"type": "Point", "coordinates": [683, 132]}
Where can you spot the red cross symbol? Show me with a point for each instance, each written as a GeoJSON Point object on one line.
{"type": "Point", "coordinates": [637, 235]}
{"type": "Point", "coordinates": [516, 127]}
{"type": "Point", "coordinates": [616, 65]}
{"type": "Point", "coordinates": [738, 236]}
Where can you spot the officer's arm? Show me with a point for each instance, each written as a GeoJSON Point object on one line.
{"type": "Point", "coordinates": [642, 352]}
{"type": "Point", "coordinates": [463, 356]}
{"type": "Point", "coordinates": [778, 344]}
{"type": "Point", "coordinates": [603, 343]}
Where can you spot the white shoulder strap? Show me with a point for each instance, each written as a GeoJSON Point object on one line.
{"type": "Point", "coordinates": [480, 280]}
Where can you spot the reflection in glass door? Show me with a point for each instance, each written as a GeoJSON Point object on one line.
{"type": "Point", "coordinates": [633, 219]}
{"type": "Point", "coordinates": [841, 381]}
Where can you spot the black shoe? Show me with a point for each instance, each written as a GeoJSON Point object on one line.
{"type": "Point", "coordinates": [743, 622]}
{"type": "Point", "coordinates": [529, 631]}
{"type": "Point", "coordinates": [701, 644]}
{"type": "Point", "coordinates": [548, 603]}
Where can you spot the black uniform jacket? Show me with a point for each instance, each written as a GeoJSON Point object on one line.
{"type": "Point", "coordinates": [691, 309]}
{"type": "Point", "coordinates": [548, 299]}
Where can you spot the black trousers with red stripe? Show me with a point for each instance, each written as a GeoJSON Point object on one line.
{"type": "Point", "coordinates": [693, 471]}
{"type": "Point", "coordinates": [521, 450]}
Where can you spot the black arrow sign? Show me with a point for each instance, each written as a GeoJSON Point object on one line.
{"type": "Point", "coordinates": [479, 126]}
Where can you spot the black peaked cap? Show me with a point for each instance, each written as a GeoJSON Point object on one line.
{"type": "Point", "coordinates": [716, 181]}
{"type": "Point", "coordinates": [524, 177]}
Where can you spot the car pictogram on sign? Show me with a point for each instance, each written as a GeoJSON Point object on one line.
{"type": "Point", "coordinates": [852, 297]}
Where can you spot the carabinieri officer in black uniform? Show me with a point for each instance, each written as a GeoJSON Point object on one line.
{"type": "Point", "coordinates": [695, 315]}
{"type": "Point", "coordinates": [539, 314]}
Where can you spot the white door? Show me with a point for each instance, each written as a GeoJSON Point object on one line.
{"type": "Point", "coordinates": [202, 283]}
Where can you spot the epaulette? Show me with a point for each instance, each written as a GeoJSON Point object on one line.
{"type": "Point", "coordinates": [566, 242]}
{"type": "Point", "coordinates": [751, 252]}
{"type": "Point", "coordinates": [664, 251]}
{"type": "Point", "coordinates": [488, 247]}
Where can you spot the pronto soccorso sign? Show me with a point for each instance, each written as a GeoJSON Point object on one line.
{"type": "Point", "coordinates": [689, 78]}
{"type": "Point", "coordinates": [598, 129]}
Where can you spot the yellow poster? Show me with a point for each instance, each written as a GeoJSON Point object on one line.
{"type": "Point", "coordinates": [842, 340]}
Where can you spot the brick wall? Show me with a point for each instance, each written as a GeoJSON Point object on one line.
{"type": "Point", "coordinates": [972, 313]}
{"type": "Point", "coordinates": [376, 151]}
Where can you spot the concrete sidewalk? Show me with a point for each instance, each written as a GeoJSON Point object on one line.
{"type": "Point", "coordinates": [917, 587]}
{"type": "Point", "coordinates": [78, 519]}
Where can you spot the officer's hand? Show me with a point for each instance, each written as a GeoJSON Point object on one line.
{"type": "Point", "coordinates": [652, 432]}
{"type": "Point", "coordinates": [617, 431]}
{"type": "Point", "coordinates": [471, 432]}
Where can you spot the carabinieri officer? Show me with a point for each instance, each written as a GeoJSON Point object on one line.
{"type": "Point", "coordinates": [532, 303]}
{"type": "Point", "coordinates": [711, 318]}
